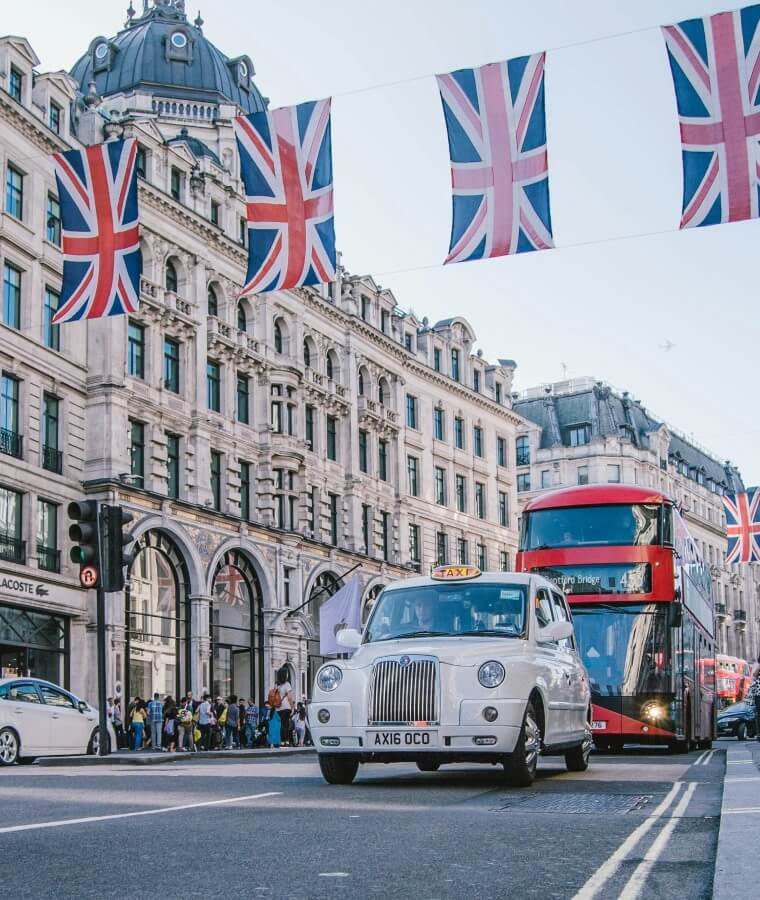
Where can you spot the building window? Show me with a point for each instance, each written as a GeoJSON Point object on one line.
{"type": "Point", "coordinates": [461, 490]}
{"type": "Point", "coordinates": [365, 528]}
{"type": "Point", "coordinates": [216, 479]}
{"type": "Point", "coordinates": [11, 296]}
{"type": "Point", "coordinates": [309, 427]}
{"type": "Point", "coordinates": [382, 460]}
{"type": "Point", "coordinates": [463, 551]}
{"type": "Point", "coordinates": [242, 319]}
{"type": "Point", "coordinates": [501, 451]}
{"type": "Point", "coordinates": [48, 554]}
{"type": "Point", "coordinates": [482, 557]}
{"type": "Point", "coordinates": [384, 319]}
{"type": "Point", "coordinates": [408, 341]}
{"type": "Point", "coordinates": [141, 162]}
{"type": "Point", "coordinates": [480, 500]}
{"type": "Point", "coordinates": [213, 386]}
{"type": "Point", "coordinates": [477, 440]}
{"type": "Point", "coordinates": [522, 451]}
{"type": "Point", "coordinates": [441, 548]}
{"type": "Point", "coordinates": [288, 578]}
{"type": "Point", "coordinates": [365, 309]}
{"type": "Point", "coordinates": [10, 439]}
{"type": "Point", "coordinates": [546, 478]}
{"type": "Point", "coordinates": [582, 474]}
{"type": "Point", "coordinates": [172, 281]}
{"type": "Point", "coordinates": [331, 365]}
{"type": "Point", "coordinates": [53, 221]}
{"type": "Point", "coordinates": [12, 548]}
{"type": "Point", "coordinates": [363, 462]}
{"type": "Point", "coordinates": [440, 486]}
{"type": "Point", "coordinates": [242, 229]}
{"type": "Point", "coordinates": [385, 525]}
{"type": "Point", "coordinates": [455, 373]}
{"type": "Point", "coordinates": [14, 192]}
{"type": "Point", "coordinates": [172, 466]}
{"type": "Point", "coordinates": [439, 424]}
{"type": "Point", "coordinates": [175, 183]}
{"type": "Point", "coordinates": [503, 509]}
{"type": "Point", "coordinates": [51, 334]}
{"type": "Point", "coordinates": [171, 365]}
{"type": "Point", "coordinates": [523, 482]}
{"type": "Point", "coordinates": [437, 359]}
{"type": "Point", "coordinates": [52, 457]}
{"type": "Point", "coordinates": [15, 84]}
{"type": "Point", "coordinates": [278, 338]}
{"type": "Point", "coordinates": [137, 450]}
{"type": "Point", "coordinates": [54, 117]}
{"type": "Point", "coordinates": [411, 411]}
{"type": "Point", "coordinates": [245, 491]}
{"type": "Point", "coordinates": [214, 213]}
{"type": "Point", "coordinates": [414, 544]}
{"type": "Point", "coordinates": [212, 304]}
{"type": "Point", "coordinates": [412, 471]}
{"type": "Point", "coordinates": [476, 380]}
{"type": "Point", "coordinates": [504, 560]}
{"type": "Point", "coordinates": [276, 409]}
{"type": "Point", "coordinates": [314, 514]}
{"type": "Point", "coordinates": [613, 474]}
{"type": "Point", "coordinates": [332, 438]}
{"type": "Point", "coordinates": [242, 399]}
{"type": "Point", "coordinates": [459, 433]}
{"type": "Point", "coordinates": [498, 390]}
{"type": "Point", "coordinates": [333, 519]}
{"type": "Point", "coordinates": [579, 435]}
{"type": "Point", "coordinates": [307, 355]}
{"type": "Point", "coordinates": [136, 350]}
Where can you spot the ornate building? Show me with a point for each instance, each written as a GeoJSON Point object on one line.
{"type": "Point", "coordinates": [265, 446]}
{"type": "Point", "coordinates": [583, 432]}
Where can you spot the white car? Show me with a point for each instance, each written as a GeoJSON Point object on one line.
{"type": "Point", "coordinates": [38, 718]}
{"type": "Point", "coordinates": [462, 666]}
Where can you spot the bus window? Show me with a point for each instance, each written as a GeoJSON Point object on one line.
{"type": "Point", "coordinates": [592, 526]}
{"type": "Point", "coordinates": [667, 525]}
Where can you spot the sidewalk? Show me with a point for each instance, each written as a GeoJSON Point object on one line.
{"type": "Point", "coordinates": [151, 758]}
{"type": "Point", "coordinates": [735, 867]}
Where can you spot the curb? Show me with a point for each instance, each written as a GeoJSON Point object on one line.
{"type": "Point", "coordinates": [160, 759]}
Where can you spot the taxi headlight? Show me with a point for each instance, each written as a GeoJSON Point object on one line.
{"type": "Point", "coordinates": [329, 678]}
{"type": "Point", "coordinates": [491, 674]}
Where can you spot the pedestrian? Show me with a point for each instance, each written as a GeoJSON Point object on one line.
{"type": "Point", "coordinates": [273, 731]}
{"type": "Point", "coordinates": [118, 726]}
{"type": "Point", "coordinates": [756, 668]}
{"type": "Point", "coordinates": [206, 720]}
{"type": "Point", "coordinates": [156, 719]}
{"type": "Point", "coordinates": [232, 724]}
{"type": "Point", "coordinates": [170, 723]}
{"type": "Point", "coordinates": [251, 723]}
{"type": "Point", "coordinates": [287, 702]}
{"type": "Point", "coordinates": [185, 726]}
{"type": "Point", "coordinates": [752, 698]}
{"type": "Point", "coordinates": [189, 701]}
{"type": "Point", "coordinates": [138, 724]}
{"type": "Point", "coordinates": [300, 723]}
{"type": "Point", "coordinates": [241, 722]}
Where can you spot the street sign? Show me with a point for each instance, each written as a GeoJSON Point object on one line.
{"type": "Point", "coordinates": [88, 576]}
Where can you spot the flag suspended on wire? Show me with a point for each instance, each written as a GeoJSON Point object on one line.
{"type": "Point", "coordinates": [715, 63]}
{"type": "Point", "coordinates": [286, 166]}
{"type": "Point", "coordinates": [743, 526]}
{"type": "Point", "coordinates": [496, 126]}
{"type": "Point", "coordinates": [97, 188]}
{"type": "Point", "coordinates": [342, 610]}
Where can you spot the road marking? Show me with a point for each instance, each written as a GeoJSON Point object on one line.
{"type": "Point", "coordinates": [605, 872]}
{"type": "Point", "coordinates": [741, 762]}
{"type": "Point", "coordinates": [334, 875]}
{"type": "Point", "coordinates": [129, 815]}
{"type": "Point", "coordinates": [708, 758]}
{"type": "Point", "coordinates": [698, 760]}
{"type": "Point", "coordinates": [636, 882]}
{"type": "Point", "coordinates": [741, 809]}
{"type": "Point", "coordinates": [748, 778]}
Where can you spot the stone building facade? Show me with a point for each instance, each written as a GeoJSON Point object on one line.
{"type": "Point", "coordinates": [582, 431]}
{"type": "Point", "coordinates": [265, 446]}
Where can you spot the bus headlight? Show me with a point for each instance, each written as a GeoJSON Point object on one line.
{"type": "Point", "coordinates": [653, 711]}
{"type": "Point", "coordinates": [329, 678]}
{"type": "Point", "coordinates": [491, 674]}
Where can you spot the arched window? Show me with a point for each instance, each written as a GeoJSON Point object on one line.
{"type": "Point", "coordinates": [333, 367]}
{"type": "Point", "coordinates": [213, 304]}
{"type": "Point", "coordinates": [277, 336]}
{"type": "Point", "coordinates": [171, 276]}
{"type": "Point", "coordinates": [242, 320]}
{"type": "Point", "coordinates": [306, 354]}
{"type": "Point", "coordinates": [383, 392]}
{"type": "Point", "coordinates": [361, 383]}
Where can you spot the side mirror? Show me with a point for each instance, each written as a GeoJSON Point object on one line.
{"type": "Point", "coordinates": [82, 706]}
{"type": "Point", "coordinates": [348, 638]}
{"type": "Point", "coordinates": [554, 631]}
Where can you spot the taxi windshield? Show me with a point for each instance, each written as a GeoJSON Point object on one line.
{"type": "Point", "coordinates": [464, 608]}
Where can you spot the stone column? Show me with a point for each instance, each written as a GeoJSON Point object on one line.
{"type": "Point", "coordinates": [199, 676]}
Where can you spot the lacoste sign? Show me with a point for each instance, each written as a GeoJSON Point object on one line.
{"type": "Point", "coordinates": [22, 586]}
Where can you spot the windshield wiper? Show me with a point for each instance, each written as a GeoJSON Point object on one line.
{"type": "Point", "coordinates": [413, 634]}
{"type": "Point", "coordinates": [489, 631]}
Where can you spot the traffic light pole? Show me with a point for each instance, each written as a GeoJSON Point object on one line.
{"type": "Point", "coordinates": [101, 639]}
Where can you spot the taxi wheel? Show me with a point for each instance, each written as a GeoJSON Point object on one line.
{"type": "Point", "coordinates": [520, 766]}
{"type": "Point", "coordinates": [8, 747]}
{"type": "Point", "coordinates": [741, 732]}
{"type": "Point", "coordinates": [428, 766]}
{"type": "Point", "coordinates": [576, 759]}
{"type": "Point", "coordinates": [338, 769]}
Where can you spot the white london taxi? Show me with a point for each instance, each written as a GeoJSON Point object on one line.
{"type": "Point", "coordinates": [462, 666]}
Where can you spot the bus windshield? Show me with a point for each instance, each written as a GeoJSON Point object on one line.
{"type": "Point", "coordinates": [591, 526]}
{"type": "Point", "coordinates": [484, 609]}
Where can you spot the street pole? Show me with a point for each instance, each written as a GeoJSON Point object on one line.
{"type": "Point", "coordinates": [101, 638]}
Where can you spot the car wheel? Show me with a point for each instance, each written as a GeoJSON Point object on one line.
{"type": "Point", "coordinates": [741, 732]}
{"type": "Point", "coordinates": [93, 748]}
{"type": "Point", "coordinates": [576, 759]}
{"type": "Point", "coordinates": [9, 747]}
{"type": "Point", "coordinates": [338, 769]}
{"type": "Point", "coordinates": [428, 766]}
{"type": "Point", "coordinates": [520, 766]}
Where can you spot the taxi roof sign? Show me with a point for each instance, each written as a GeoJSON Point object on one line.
{"type": "Point", "coordinates": [454, 573]}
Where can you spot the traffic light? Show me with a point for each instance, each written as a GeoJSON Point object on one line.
{"type": "Point", "coordinates": [116, 554]}
{"type": "Point", "coordinates": [84, 533]}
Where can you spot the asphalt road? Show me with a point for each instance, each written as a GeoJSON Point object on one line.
{"type": "Point", "coordinates": [636, 824]}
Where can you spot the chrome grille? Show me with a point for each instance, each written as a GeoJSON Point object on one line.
{"type": "Point", "coordinates": [400, 695]}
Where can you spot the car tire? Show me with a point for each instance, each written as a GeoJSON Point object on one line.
{"type": "Point", "coordinates": [428, 766]}
{"type": "Point", "coordinates": [521, 764]}
{"type": "Point", "coordinates": [741, 732]}
{"type": "Point", "coordinates": [338, 769]}
{"type": "Point", "coordinates": [576, 759]}
{"type": "Point", "coordinates": [92, 746]}
{"type": "Point", "coordinates": [9, 747]}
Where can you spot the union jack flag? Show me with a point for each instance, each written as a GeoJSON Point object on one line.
{"type": "Point", "coordinates": [499, 170]}
{"type": "Point", "coordinates": [743, 526]}
{"type": "Point", "coordinates": [97, 187]}
{"type": "Point", "coordinates": [229, 586]}
{"type": "Point", "coordinates": [715, 63]}
{"type": "Point", "coordinates": [286, 166]}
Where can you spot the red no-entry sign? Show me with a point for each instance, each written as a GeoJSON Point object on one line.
{"type": "Point", "coordinates": [88, 576]}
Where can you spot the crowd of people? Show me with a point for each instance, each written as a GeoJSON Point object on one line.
{"type": "Point", "coordinates": [191, 725]}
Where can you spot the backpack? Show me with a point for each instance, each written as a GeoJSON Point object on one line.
{"type": "Point", "coordinates": [222, 720]}
{"type": "Point", "coordinates": [274, 698]}
{"type": "Point", "coordinates": [185, 716]}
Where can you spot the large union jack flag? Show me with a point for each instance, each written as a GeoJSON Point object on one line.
{"type": "Point", "coordinates": [286, 166]}
{"type": "Point", "coordinates": [101, 252]}
{"type": "Point", "coordinates": [499, 171]}
{"type": "Point", "coordinates": [743, 526]}
{"type": "Point", "coordinates": [715, 62]}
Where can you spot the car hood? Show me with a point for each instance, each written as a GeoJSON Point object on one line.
{"type": "Point", "coordinates": [456, 651]}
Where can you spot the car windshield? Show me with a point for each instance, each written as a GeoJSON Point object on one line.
{"type": "Point", "coordinates": [591, 526]}
{"type": "Point", "coordinates": [734, 709]}
{"type": "Point", "coordinates": [449, 609]}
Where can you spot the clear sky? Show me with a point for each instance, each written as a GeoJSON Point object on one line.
{"type": "Point", "coordinates": [604, 309]}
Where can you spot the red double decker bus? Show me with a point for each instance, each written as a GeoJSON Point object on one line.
{"type": "Point", "coordinates": [642, 608]}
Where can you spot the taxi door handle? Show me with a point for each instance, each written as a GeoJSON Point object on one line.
{"type": "Point", "coordinates": [18, 710]}
{"type": "Point", "coordinates": [56, 716]}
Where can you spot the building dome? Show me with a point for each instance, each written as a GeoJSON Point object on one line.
{"type": "Point", "coordinates": [161, 53]}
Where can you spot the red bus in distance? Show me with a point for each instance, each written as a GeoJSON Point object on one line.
{"type": "Point", "coordinates": [642, 608]}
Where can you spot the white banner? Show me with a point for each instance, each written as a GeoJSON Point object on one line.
{"type": "Point", "coordinates": [342, 610]}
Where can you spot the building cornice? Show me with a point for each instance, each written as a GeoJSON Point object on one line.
{"type": "Point", "coordinates": [28, 125]}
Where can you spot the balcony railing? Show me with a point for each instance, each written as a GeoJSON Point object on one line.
{"type": "Point", "coordinates": [12, 549]}
{"type": "Point", "coordinates": [740, 616]}
{"type": "Point", "coordinates": [523, 457]}
{"type": "Point", "coordinates": [48, 558]}
{"type": "Point", "coordinates": [52, 459]}
{"type": "Point", "coordinates": [11, 444]}
{"type": "Point", "coordinates": [720, 610]}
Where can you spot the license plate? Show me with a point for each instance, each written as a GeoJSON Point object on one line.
{"type": "Point", "coordinates": [389, 740]}
{"type": "Point", "coordinates": [598, 726]}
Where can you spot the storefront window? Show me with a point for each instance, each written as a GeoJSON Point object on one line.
{"type": "Point", "coordinates": [33, 644]}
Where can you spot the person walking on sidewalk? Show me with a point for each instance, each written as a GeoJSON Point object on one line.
{"type": "Point", "coordinates": [241, 722]}
{"type": "Point", "coordinates": [118, 725]}
{"type": "Point", "coordinates": [206, 720]}
{"type": "Point", "coordinates": [231, 724]}
{"type": "Point", "coordinates": [185, 727]}
{"type": "Point", "coordinates": [300, 723]}
{"type": "Point", "coordinates": [287, 703]}
{"type": "Point", "coordinates": [138, 723]}
{"type": "Point", "coordinates": [156, 719]}
{"type": "Point", "coordinates": [251, 723]}
{"type": "Point", "coordinates": [170, 723]}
